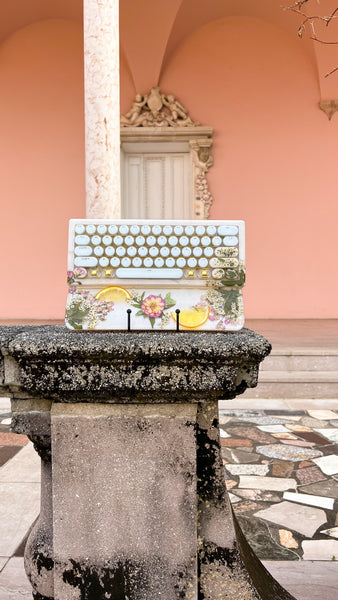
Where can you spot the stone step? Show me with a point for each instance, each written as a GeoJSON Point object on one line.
{"type": "Point", "coordinates": [284, 361]}
{"type": "Point", "coordinates": [291, 389]}
{"type": "Point", "coordinates": [295, 384]}
{"type": "Point", "coordinates": [298, 376]}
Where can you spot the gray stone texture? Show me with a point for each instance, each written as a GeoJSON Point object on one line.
{"type": "Point", "coordinates": [53, 362]}
{"type": "Point", "coordinates": [124, 494]}
{"type": "Point", "coordinates": [139, 495]}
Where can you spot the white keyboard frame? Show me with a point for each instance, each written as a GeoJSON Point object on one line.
{"type": "Point", "coordinates": [182, 288]}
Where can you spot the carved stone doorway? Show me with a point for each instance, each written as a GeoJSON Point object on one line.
{"type": "Point", "coordinates": [164, 160]}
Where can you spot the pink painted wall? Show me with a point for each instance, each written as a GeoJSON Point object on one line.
{"type": "Point", "coordinates": [274, 153]}
{"type": "Point", "coordinates": [41, 164]}
{"type": "Point", "coordinates": [275, 159]}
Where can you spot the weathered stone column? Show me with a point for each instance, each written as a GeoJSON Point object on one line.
{"type": "Point", "coordinates": [138, 508]}
{"type": "Point", "coordinates": [102, 108]}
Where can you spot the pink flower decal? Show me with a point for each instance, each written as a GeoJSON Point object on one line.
{"type": "Point", "coordinates": [153, 306]}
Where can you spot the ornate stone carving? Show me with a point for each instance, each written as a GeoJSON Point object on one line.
{"type": "Point", "coordinates": [329, 107]}
{"type": "Point", "coordinates": [157, 110]}
{"type": "Point", "coordinates": [201, 163]}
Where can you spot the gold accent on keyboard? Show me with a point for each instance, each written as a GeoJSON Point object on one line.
{"type": "Point", "coordinates": [93, 272]}
{"type": "Point", "coordinates": [108, 272]}
{"type": "Point", "coordinates": [204, 273]}
{"type": "Point", "coordinates": [191, 273]}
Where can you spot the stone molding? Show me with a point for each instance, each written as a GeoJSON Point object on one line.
{"type": "Point", "coordinates": [156, 109]}
{"type": "Point", "coordinates": [329, 107]}
{"type": "Point", "coordinates": [53, 362]}
{"type": "Point", "coordinates": [158, 117]}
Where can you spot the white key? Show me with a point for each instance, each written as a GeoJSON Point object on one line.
{"type": "Point", "coordinates": [197, 252]}
{"type": "Point", "coordinates": [83, 251]}
{"type": "Point", "coordinates": [184, 241]}
{"type": "Point", "coordinates": [129, 240]}
{"type": "Point", "coordinates": [110, 251]}
{"type": "Point", "coordinates": [115, 262]}
{"type": "Point", "coordinates": [173, 240]}
{"type": "Point", "coordinates": [131, 251]}
{"type": "Point", "coordinates": [104, 261]}
{"type": "Point", "coordinates": [211, 230]}
{"type": "Point", "coordinates": [120, 251]}
{"type": "Point", "coordinates": [230, 240]}
{"type": "Point", "coordinates": [208, 251]}
{"type": "Point", "coordinates": [124, 229]}
{"type": "Point", "coordinates": [143, 251]}
{"type": "Point", "coordinates": [140, 240]}
{"type": "Point", "coordinates": [82, 240]}
{"type": "Point", "coordinates": [181, 262]}
{"type": "Point", "coordinates": [192, 262]}
{"type": "Point", "coordinates": [137, 261]}
{"type": "Point", "coordinates": [79, 228]}
{"type": "Point", "coordinates": [85, 261]}
{"type": "Point", "coordinates": [112, 229]}
{"type": "Point", "coordinates": [167, 230]}
{"type": "Point", "coordinates": [98, 251]}
{"type": "Point", "coordinates": [145, 229]}
{"type": "Point", "coordinates": [200, 229]}
{"type": "Point", "coordinates": [218, 273]}
{"type": "Point", "coordinates": [178, 229]}
{"type": "Point", "coordinates": [227, 230]}
{"type": "Point", "coordinates": [134, 229]}
{"type": "Point", "coordinates": [162, 240]}
{"type": "Point", "coordinates": [107, 240]}
{"type": "Point", "coordinates": [95, 240]}
{"type": "Point", "coordinates": [126, 262]}
{"type": "Point", "coordinates": [170, 262]}
{"type": "Point", "coordinates": [156, 229]}
{"type": "Point", "coordinates": [175, 251]}
{"type": "Point", "coordinates": [148, 262]}
{"type": "Point", "coordinates": [186, 251]}
{"type": "Point", "coordinates": [90, 229]}
{"type": "Point", "coordinates": [159, 262]}
{"type": "Point", "coordinates": [102, 229]}
{"type": "Point", "coordinates": [215, 263]}
{"type": "Point", "coordinates": [118, 240]}
{"type": "Point", "coordinates": [189, 230]}
{"type": "Point", "coordinates": [205, 240]}
{"type": "Point", "coordinates": [216, 241]}
{"type": "Point", "coordinates": [151, 240]}
{"type": "Point", "coordinates": [203, 263]}
{"type": "Point", "coordinates": [153, 251]}
{"type": "Point", "coordinates": [149, 273]}
{"type": "Point", "coordinates": [195, 241]}
{"type": "Point", "coordinates": [164, 251]}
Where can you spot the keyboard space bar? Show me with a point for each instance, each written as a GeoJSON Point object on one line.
{"type": "Point", "coordinates": [145, 273]}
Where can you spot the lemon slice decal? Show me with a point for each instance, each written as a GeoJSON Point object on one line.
{"type": "Point", "coordinates": [114, 294]}
{"type": "Point", "coordinates": [193, 317]}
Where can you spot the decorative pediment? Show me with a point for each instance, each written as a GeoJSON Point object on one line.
{"type": "Point", "coordinates": [156, 109]}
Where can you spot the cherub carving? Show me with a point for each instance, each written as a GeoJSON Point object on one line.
{"type": "Point", "coordinates": [133, 116]}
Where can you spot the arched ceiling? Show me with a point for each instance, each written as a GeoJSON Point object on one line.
{"type": "Point", "coordinates": [15, 14]}
{"type": "Point", "coordinates": [151, 31]}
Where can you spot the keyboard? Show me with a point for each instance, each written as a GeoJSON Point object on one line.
{"type": "Point", "coordinates": [162, 275]}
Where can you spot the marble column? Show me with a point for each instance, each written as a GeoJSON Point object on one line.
{"type": "Point", "coordinates": [102, 108]}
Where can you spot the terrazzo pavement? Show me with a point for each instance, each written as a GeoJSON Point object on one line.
{"type": "Point", "coordinates": [282, 474]}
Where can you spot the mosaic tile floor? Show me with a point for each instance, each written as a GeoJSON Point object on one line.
{"type": "Point", "coordinates": [282, 477]}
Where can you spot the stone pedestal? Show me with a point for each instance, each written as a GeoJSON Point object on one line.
{"type": "Point", "coordinates": [134, 504]}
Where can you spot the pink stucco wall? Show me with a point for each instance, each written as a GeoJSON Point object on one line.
{"type": "Point", "coordinates": [275, 159]}
{"type": "Point", "coordinates": [274, 155]}
{"type": "Point", "coordinates": [41, 164]}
